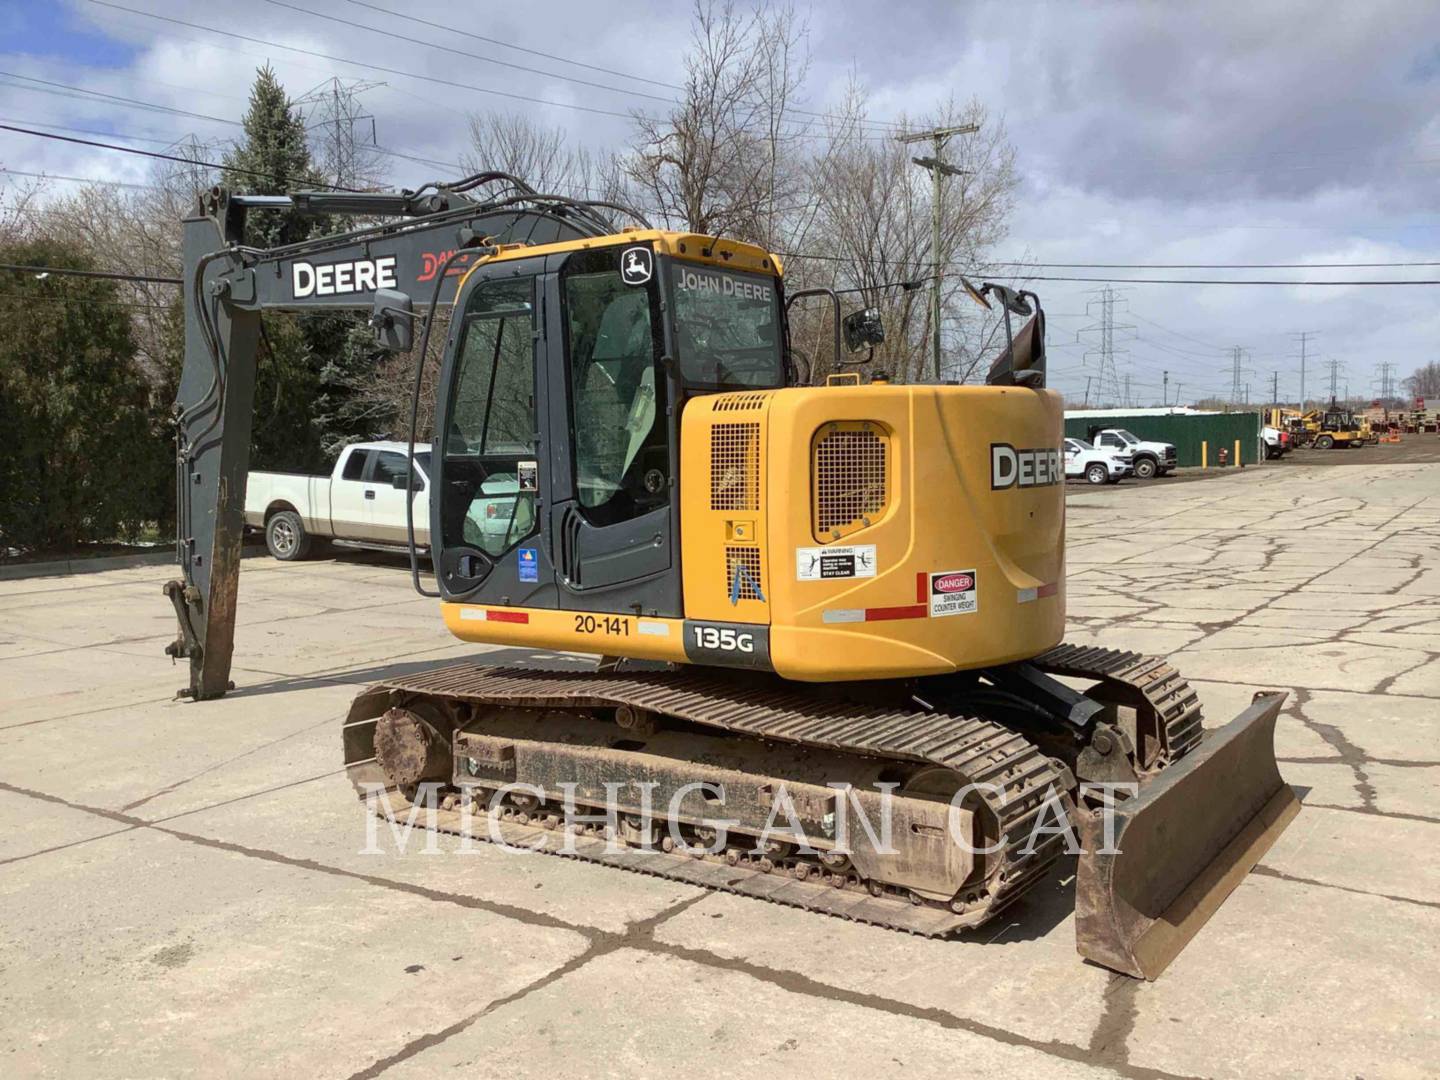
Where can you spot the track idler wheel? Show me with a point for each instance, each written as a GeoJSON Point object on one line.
{"type": "Point", "coordinates": [412, 747]}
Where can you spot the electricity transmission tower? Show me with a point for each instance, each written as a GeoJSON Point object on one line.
{"type": "Point", "coordinates": [1334, 377]}
{"type": "Point", "coordinates": [1304, 336]}
{"type": "Point", "coordinates": [1108, 377]}
{"type": "Point", "coordinates": [1387, 380]}
{"type": "Point", "coordinates": [342, 133]}
{"type": "Point", "coordinates": [1236, 373]}
{"type": "Point", "coordinates": [939, 169]}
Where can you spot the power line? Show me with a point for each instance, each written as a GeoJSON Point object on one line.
{"type": "Point", "coordinates": [150, 106]}
{"type": "Point", "coordinates": [171, 157]}
{"type": "Point", "coordinates": [74, 179]}
{"type": "Point", "coordinates": [509, 45]}
{"type": "Point", "coordinates": [1205, 266]}
{"type": "Point", "coordinates": [378, 67]}
{"type": "Point", "coordinates": [63, 271]}
{"type": "Point", "coordinates": [461, 52]}
{"type": "Point", "coordinates": [879, 126]}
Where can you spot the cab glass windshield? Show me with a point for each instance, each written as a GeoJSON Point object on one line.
{"type": "Point", "coordinates": [727, 327]}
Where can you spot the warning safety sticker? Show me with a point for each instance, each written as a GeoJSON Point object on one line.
{"type": "Point", "coordinates": [953, 592]}
{"type": "Point", "coordinates": [819, 563]}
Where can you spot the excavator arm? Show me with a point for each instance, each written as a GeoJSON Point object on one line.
{"type": "Point", "coordinates": [422, 248]}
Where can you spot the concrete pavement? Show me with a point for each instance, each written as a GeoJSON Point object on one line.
{"type": "Point", "coordinates": [182, 890]}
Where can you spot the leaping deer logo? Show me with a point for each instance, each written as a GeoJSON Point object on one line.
{"type": "Point", "coordinates": [635, 267]}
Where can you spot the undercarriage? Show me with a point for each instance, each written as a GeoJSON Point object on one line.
{"type": "Point", "coordinates": [926, 807]}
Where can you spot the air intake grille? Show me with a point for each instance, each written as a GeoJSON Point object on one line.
{"type": "Point", "coordinates": [849, 479]}
{"type": "Point", "coordinates": [735, 467]}
{"type": "Point", "coordinates": [742, 574]}
{"type": "Point", "coordinates": [739, 402]}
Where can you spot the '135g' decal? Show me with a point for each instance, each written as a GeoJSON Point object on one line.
{"type": "Point", "coordinates": [728, 644]}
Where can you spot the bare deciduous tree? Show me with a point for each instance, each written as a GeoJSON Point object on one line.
{"type": "Point", "coordinates": [723, 161]}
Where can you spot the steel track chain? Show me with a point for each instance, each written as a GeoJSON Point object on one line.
{"type": "Point", "coordinates": [982, 752]}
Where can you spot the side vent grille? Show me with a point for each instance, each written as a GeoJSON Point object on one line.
{"type": "Point", "coordinates": [739, 402]}
{"type": "Point", "coordinates": [735, 466]}
{"type": "Point", "coordinates": [742, 574]}
{"type": "Point", "coordinates": [850, 478]}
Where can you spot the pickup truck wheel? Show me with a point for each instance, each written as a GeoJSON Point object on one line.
{"type": "Point", "coordinates": [286, 538]}
{"type": "Point", "coordinates": [1144, 468]}
{"type": "Point", "coordinates": [1097, 474]}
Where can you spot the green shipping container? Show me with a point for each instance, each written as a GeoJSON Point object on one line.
{"type": "Point", "coordinates": [1186, 430]}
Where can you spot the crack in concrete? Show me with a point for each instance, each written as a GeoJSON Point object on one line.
{"type": "Point", "coordinates": [1271, 872]}
{"type": "Point", "coordinates": [1348, 753]}
{"type": "Point", "coordinates": [601, 944]}
{"type": "Point", "coordinates": [640, 936]}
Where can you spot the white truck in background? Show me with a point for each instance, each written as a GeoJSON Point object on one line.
{"type": "Point", "coordinates": [361, 503]}
{"type": "Point", "coordinates": [1095, 466]}
{"type": "Point", "coordinates": [1149, 458]}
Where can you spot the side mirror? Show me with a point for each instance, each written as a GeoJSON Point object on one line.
{"type": "Point", "coordinates": [864, 328]}
{"type": "Point", "coordinates": [393, 320]}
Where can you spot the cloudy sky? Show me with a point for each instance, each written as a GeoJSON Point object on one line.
{"type": "Point", "coordinates": [1156, 133]}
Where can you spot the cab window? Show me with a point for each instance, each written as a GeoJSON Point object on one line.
{"type": "Point", "coordinates": [617, 390]}
{"type": "Point", "coordinates": [491, 427]}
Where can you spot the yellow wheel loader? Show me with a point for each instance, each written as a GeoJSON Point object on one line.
{"type": "Point", "coordinates": [830, 618]}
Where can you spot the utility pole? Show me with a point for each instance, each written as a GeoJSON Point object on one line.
{"type": "Point", "coordinates": [1334, 377]}
{"type": "Point", "coordinates": [1126, 399]}
{"type": "Point", "coordinates": [939, 169]}
{"type": "Point", "coordinates": [1087, 390]}
{"type": "Point", "coordinates": [1177, 394]}
{"type": "Point", "coordinates": [1247, 393]}
{"type": "Point", "coordinates": [1235, 375]}
{"type": "Point", "coordinates": [1165, 394]}
{"type": "Point", "coordinates": [1275, 388]}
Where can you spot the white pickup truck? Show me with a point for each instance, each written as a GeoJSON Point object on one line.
{"type": "Point", "coordinates": [1150, 458]}
{"type": "Point", "coordinates": [1095, 466]}
{"type": "Point", "coordinates": [361, 503]}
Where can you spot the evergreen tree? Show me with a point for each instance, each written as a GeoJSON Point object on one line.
{"type": "Point", "coordinates": [299, 395]}
{"type": "Point", "coordinates": [81, 462]}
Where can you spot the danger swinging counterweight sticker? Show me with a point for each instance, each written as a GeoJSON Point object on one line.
{"type": "Point", "coordinates": [953, 592]}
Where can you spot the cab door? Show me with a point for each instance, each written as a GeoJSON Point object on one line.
{"type": "Point", "coordinates": [613, 457]}
{"type": "Point", "coordinates": [489, 491]}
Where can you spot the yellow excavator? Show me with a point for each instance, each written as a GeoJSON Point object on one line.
{"type": "Point", "coordinates": [812, 604]}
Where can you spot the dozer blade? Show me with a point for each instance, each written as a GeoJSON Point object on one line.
{"type": "Point", "coordinates": [1181, 845]}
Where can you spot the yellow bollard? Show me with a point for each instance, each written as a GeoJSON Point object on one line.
{"type": "Point", "coordinates": [1237, 453]}
{"type": "Point", "coordinates": [1204, 454]}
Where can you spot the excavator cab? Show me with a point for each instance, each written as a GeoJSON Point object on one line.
{"type": "Point", "coordinates": [560, 401]}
